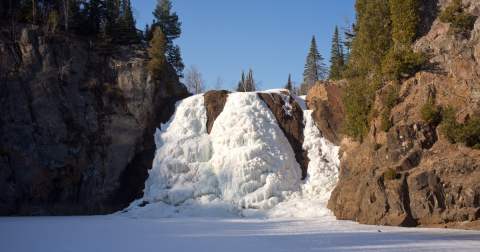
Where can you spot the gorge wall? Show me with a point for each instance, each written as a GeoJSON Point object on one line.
{"type": "Point", "coordinates": [76, 127]}
{"type": "Point", "coordinates": [438, 183]}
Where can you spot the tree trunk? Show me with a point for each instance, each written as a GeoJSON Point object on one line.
{"type": "Point", "coordinates": [66, 8]}
{"type": "Point", "coordinates": [33, 7]}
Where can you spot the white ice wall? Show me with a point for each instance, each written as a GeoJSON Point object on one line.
{"type": "Point", "coordinates": [245, 163]}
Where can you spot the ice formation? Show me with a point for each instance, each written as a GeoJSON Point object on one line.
{"type": "Point", "coordinates": [245, 167]}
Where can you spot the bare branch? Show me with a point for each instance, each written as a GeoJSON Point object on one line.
{"type": "Point", "coordinates": [218, 83]}
{"type": "Point", "coordinates": [63, 70]}
{"type": "Point", "coordinates": [193, 80]}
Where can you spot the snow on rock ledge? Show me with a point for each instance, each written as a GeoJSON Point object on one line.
{"type": "Point", "coordinates": [245, 163]}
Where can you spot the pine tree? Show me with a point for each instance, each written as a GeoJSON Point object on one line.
{"type": "Point", "coordinates": [77, 18]}
{"type": "Point", "coordinates": [364, 71]}
{"type": "Point", "coordinates": [167, 21]}
{"type": "Point", "coordinates": [401, 58]}
{"type": "Point", "coordinates": [241, 84]}
{"type": "Point", "coordinates": [250, 83]}
{"type": "Point", "coordinates": [289, 84]}
{"type": "Point", "coordinates": [157, 53]}
{"type": "Point", "coordinates": [94, 17]}
{"type": "Point", "coordinates": [337, 58]}
{"type": "Point", "coordinates": [175, 59]}
{"type": "Point", "coordinates": [129, 31]}
{"type": "Point", "coordinates": [105, 41]}
{"type": "Point", "coordinates": [170, 26]}
{"type": "Point", "coordinates": [29, 11]}
{"type": "Point", "coordinates": [404, 21]}
{"type": "Point", "coordinates": [314, 68]}
{"type": "Point", "coordinates": [111, 12]}
{"type": "Point", "coordinates": [146, 32]}
{"type": "Point", "coordinates": [349, 36]}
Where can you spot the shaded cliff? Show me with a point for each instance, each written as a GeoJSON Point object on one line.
{"type": "Point", "coordinates": [437, 183]}
{"type": "Point", "coordinates": [76, 132]}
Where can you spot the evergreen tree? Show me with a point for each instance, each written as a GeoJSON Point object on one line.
{"type": "Point", "coordinates": [337, 58]}
{"type": "Point", "coordinates": [370, 45]}
{"type": "Point", "coordinates": [157, 53]}
{"type": "Point", "coordinates": [29, 11]}
{"type": "Point", "coordinates": [314, 68]}
{"type": "Point", "coordinates": [105, 41]}
{"type": "Point", "coordinates": [404, 21]}
{"type": "Point", "coordinates": [250, 83]}
{"type": "Point", "coordinates": [77, 18]}
{"type": "Point", "coordinates": [102, 18]}
{"type": "Point", "coordinates": [146, 32]}
{"type": "Point", "coordinates": [111, 12]}
{"type": "Point", "coordinates": [289, 84]}
{"type": "Point", "coordinates": [170, 26]}
{"type": "Point", "coordinates": [401, 58]}
{"type": "Point", "coordinates": [241, 84]}
{"type": "Point", "coordinates": [167, 21]}
{"type": "Point", "coordinates": [175, 59]}
{"type": "Point", "coordinates": [381, 48]}
{"type": "Point", "coordinates": [349, 36]}
{"type": "Point", "coordinates": [94, 16]}
{"type": "Point", "coordinates": [129, 31]}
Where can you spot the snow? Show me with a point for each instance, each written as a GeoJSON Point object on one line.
{"type": "Point", "coordinates": [244, 168]}
{"type": "Point", "coordinates": [242, 183]}
{"type": "Point", "coordinates": [322, 174]}
{"type": "Point", "coordinates": [245, 163]}
{"type": "Point", "coordinates": [112, 233]}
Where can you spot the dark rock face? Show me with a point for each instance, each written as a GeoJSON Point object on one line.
{"type": "Point", "coordinates": [214, 102]}
{"type": "Point", "coordinates": [76, 128]}
{"type": "Point", "coordinates": [292, 126]}
{"type": "Point", "coordinates": [328, 114]}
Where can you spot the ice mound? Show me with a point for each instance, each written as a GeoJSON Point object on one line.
{"type": "Point", "coordinates": [245, 167]}
{"type": "Point", "coordinates": [252, 159]}
{"type": "Point", "coordinates": [322, 174]}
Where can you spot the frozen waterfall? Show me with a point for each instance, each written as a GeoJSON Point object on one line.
{"type": "Point", "coordinates": [245, 167]}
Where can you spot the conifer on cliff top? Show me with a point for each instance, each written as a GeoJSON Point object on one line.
{"type": "Point", "coordinates": [337, 58]}
{"type": "Point", "coordinates": [315, 69]}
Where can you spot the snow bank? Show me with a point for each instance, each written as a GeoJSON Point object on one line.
{"type": "Point", "coordinates": [245, 167]}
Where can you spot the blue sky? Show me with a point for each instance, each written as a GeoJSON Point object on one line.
{"type": "Point", "coordinates": [222, 37]}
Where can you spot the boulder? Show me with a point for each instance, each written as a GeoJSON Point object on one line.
{"type": "Point", "coordinates": [214, 102]}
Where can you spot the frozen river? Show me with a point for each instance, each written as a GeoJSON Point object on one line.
{"type": "Point", "coordinates": [113, 233]}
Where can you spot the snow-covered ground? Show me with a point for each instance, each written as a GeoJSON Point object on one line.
{"type": "Point", "coordinates": [118, 234]}
{"type": "Point", "coordinates": [242, 183]}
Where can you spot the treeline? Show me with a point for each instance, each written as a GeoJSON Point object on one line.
{"type": "Point", "coordinates": [316, 70]}
{"type": "Point", "coordinates": [381, 53]}
{"type": "Point", "coordinates": [112, 20]}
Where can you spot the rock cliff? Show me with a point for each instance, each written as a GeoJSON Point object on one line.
{"type": "Point", "coordinates": [290, 120]}
{"type": "Point", "coordinates": [437, 183]}
{"type": "Point", "coordinates": [76, 127]}
{"type": "Point", "coordinates": [325, 99]}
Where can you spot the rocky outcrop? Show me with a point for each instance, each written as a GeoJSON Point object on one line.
{"type": "Point", "coordinates": [437, 183]}
{"type": "Point", "coordinates": [291, 125]}
{"type": "Point", "coordinates": [214, 102]}
{"type": "Point", "coordinates": [325, 99]}
{"type": "Point", "coordinates": [76, 131]}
